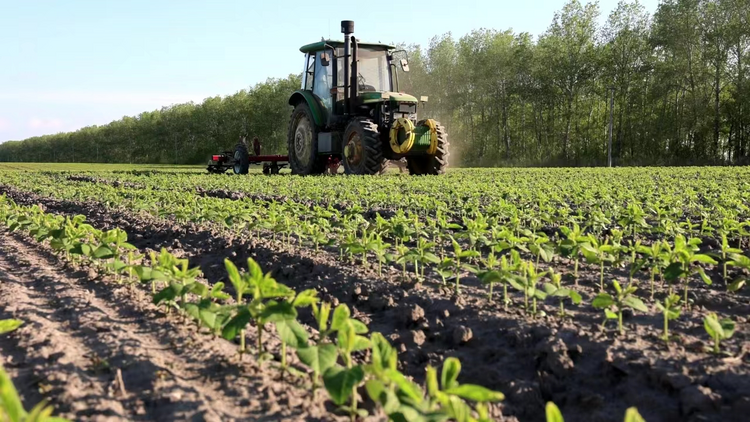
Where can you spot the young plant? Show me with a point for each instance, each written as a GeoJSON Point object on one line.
{"type": "Point", "coordinates": [571, 246]}
{"type": "Point", "coordinates": [342, 381]}
{"type": "Point", "coordinates": [727, 252]}
{"type": "Point", "coordinates": [671, 311]}
{"type": "Point", "coordinates": [656, 262]}
{"type": "Point", "coordinates": [739, 261]}
{"type": "Point", "coordinates": [541, 248]}
{"type": "Point", "coordinates": [527, 283]}
{"type": "Point", "coordinates": [321, 356]}
{"type": "Point", "coordinates": [555, 289]}
{"type": "Point", "coordinates": [598, 253]}
{"type": "Point", "coordinates": [283, 315]}
{"type": "Point", "coordinates": [460, 255]}
{"type": "Point", "coordinates": [263, 288]}
{"type": "Point", "coordinates": [623, 298]}
{"type": "Point", "coordinates": [718, 329]}
{"type": "Point", "coordinates": [685, 262]}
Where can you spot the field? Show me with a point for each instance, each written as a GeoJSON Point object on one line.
{"type": "Point", "coordinates": [596, 289]}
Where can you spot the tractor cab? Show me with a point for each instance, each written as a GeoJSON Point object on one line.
{"type": "Point", "coordinates": [324, 76]}
{"type": "Point", "coordinates": [349, 108]}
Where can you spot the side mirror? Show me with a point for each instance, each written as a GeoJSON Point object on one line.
{"type": "Point", "coordinates": [404, 65]}
{"type": "Point", "coordinates": [423, 99]}
{"type": "Point", "coordinates": [325, 60]}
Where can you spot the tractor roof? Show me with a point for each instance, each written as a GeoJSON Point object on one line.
{"type": "Point", "coordinates": [317, 46]}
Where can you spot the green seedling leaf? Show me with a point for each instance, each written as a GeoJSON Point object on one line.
{"type": "Point", "coordinates": [405, 386]}
{"type": "Point", "coordinates": [340, 315]}
{"type": "Point", "coordinates": [278, 311]}
{"type": "Point", "coordinates": [449, 376]}
{"type": "Point", "coordinates": [237, 323]}
{"type": "Point", "coordinates": [673, 271]}
{"type": "Point", "coordinates": [340, 381]}
{"type": "Point", "coordinates": [603, 300]}
{"type": "Point", "coordinates": [217, 292]}
{"type": "Point", "coordinates": [318, 358]}
{"type": "Point", "coordinates": [103, 252]}
{"type": "Point", "coordinates": [8, 325]}
{"type": "Point", "coordinates": [292, 333]}
{"type": "Point", "coordinates": [553, 413]}
{"type": "Point", "coordinates": [169, 293]}
{"type": "Point", "coordinates": [476, 393]}
{"type": "Point", "coordinates": [305, 298]}
{"type": "Point", "coordinates": [632, 415]}
{"type": "Point", "coordinates": [635, 303]}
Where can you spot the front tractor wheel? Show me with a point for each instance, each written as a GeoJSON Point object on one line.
{"type": "Point", "coordinates": [302, 143]}
{"type": "Point", "coordinates": [363, 150]}
{"type": "Point", "coordinates": [431, 164]}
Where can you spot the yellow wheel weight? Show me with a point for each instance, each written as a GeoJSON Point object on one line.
{"type": "Point", "coordinates": [433, 136]}
{"type": "Point", "coordinates": [408, 127]}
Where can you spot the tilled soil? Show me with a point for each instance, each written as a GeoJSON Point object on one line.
{"type": "Point", "coordinates": [103, 353]}
{"type": "Point", "coordinates": [592, 374]}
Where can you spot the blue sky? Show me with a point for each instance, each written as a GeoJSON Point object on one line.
{"type": "Point", "coordinates": [66, 64]}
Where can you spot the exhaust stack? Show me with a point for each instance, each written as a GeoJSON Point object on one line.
{"type": "Point", "coordinates": [347, 28]}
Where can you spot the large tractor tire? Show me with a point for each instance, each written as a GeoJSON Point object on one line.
{"type": "Point", "coordinates": [363, 150]}
{"type": "Point", "coordinates": [431, 164]}
{"type": "Point", "coordinates": [241, 159]}
{"type": "Point", "coordinates": [302, 142]}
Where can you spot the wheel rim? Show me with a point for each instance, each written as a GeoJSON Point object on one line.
{"type": "Point", "coordinates": [303, 141]}
{"type": "Point", "coordinates": [237, 166]}
{"type": "Point", "coordinates": [354, 150]}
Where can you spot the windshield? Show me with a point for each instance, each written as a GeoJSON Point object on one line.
{"type": "Point", "coordinates": [373, 70]}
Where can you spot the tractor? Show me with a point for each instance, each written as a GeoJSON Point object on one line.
{"type": "Point", "coordinates": [350, 111]}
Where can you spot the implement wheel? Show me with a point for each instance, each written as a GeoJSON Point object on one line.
{"type": "Point", "coordinates": [363, 150]}
{"type": "Point", "coordinates": [302, 142]}
{"type": "Point", "coordinates": [241, 160]}
{"type": "Point", "coordinates": [431, 164]}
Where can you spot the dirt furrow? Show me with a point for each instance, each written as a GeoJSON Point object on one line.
{"type": "Point", "coordinates": [105, 354]}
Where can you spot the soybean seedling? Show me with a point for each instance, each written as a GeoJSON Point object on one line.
{"type": "Point", "coordinates": [718, 329]}
{"type": "Point", "coordinates": [739, 261]}
{"type": "Point", "coordinates": [727, 252]}
{"type": "Point", "coordinates": [458, 255]}
{"type": "Point", "coordinates": [671, 311]}
{"type": "Point", "coordinates": [598, 253]}
{"type": "Point", "coordinates": [553, 414]}
{"type": "Point", "coordinates": [571, 246]}
{"type": "Point", "coordinates": [262, 287]}
{"type": "Point", "coordinates": [686, 262]}
{"type": "Point", "coordinates": [556, 289]}
{"type": "Point", "coordinates": [624, 298]}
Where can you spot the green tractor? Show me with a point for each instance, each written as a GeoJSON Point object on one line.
{"type": "Point", "coordinates": [349, 110]}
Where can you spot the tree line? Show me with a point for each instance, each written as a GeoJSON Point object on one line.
{"type": "Point", "coordinates": [677, 82]}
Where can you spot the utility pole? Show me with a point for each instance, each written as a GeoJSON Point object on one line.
{"type": "Point", "coordinates": [611, 117]}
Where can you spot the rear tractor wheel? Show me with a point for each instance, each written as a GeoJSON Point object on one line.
{"type": "Point", "coordinates": [363, 150]}
{"type": "Point", "coordinates": [241, 159]}
{"type": "Point", "coordinates": [431, 164]}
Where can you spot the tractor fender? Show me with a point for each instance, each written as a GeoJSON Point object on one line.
{"type": "Point", "coordinates": [316, 108]}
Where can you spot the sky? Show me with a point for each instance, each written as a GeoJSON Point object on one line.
{"type": "Point", "coordinates": [67, 64]}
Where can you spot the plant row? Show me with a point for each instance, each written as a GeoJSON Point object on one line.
{"type": "Point", "coordinates": [332, 355]}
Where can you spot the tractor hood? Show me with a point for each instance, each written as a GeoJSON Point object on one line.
{"type": "Point", "coordinates": [376, 97]}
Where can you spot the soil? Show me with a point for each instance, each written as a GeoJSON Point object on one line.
{"type": "Point", "coordinates": [591, 373]}
{"type": "Point", "coordinates": [104, 353]}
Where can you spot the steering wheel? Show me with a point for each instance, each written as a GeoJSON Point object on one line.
{"type": "Point", "coordinates": [362, 83]}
